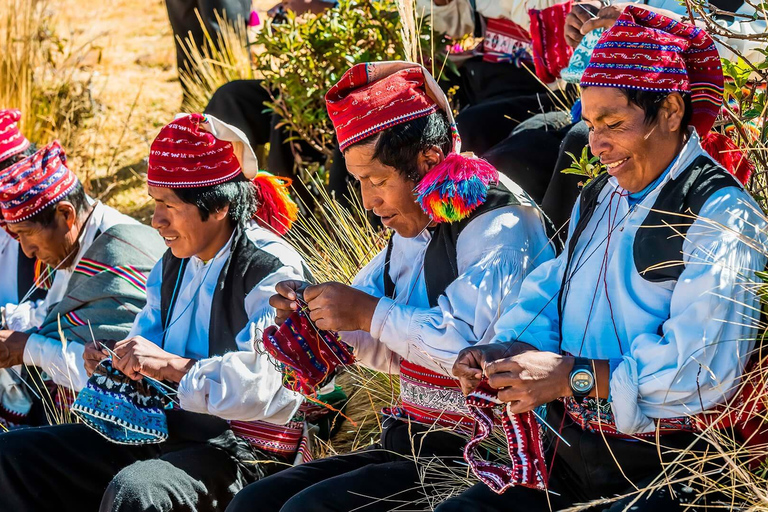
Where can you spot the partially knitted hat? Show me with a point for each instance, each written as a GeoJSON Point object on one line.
{"type": "Point", "coordinates": [12, 142]}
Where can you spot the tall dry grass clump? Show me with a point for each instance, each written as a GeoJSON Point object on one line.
{"type": "Point", "coordinates": [222, 59]}
{"type": "Point", "coordinates": [40, 74]}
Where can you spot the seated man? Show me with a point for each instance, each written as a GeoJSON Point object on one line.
{"type": "Point", "coordinates": [206, 301]}
{"type": "Point", "coordinates": [15, 286]}
{"type": "Point", "coordinates": [646, 320]}
{"type": "Point", "coordinates": [436, 288]}
{"type": "Point", "coordinates": [101, 258]}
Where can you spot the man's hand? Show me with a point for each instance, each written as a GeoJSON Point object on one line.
{"type": "Point", "coordinates": [471, 361]}
{"type": "Point", "coordinates": [580, 14]}
{"type": "Point", "coordinates": [606, 18]}
{"type": "Point", "coordinates": [284, 301]}
{"type": "Point", "coordinates": [338, 307]}
{"type": "Point", "coordinates": [12, 344]}
{"type": "Point", "coordinates": [94, 354]}
{"type": "Point", "coordinates": [140, 357]}
{"type": "Point", "coordinates": [530, 379]}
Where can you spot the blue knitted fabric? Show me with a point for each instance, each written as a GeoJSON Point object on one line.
{"type": "Point", "coordinates": [122, 410]}
{"type": "Point", "coordinates": [580, 58]}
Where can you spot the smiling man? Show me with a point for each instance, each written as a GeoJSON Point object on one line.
{"type": "Point", "coordinates": [207, 301]}
{"type": "Point", "coordinates": [453, 262]}
{"type": "Point", "coordinates": [647, 318]}
{"type": "Point", "coordinates": [101, 259]}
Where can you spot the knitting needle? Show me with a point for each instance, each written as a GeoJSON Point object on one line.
{"type": "Point", "coordinates": [170, 390]}
{"type": "Point", "coordinates": [550, 428]}
{"type": "Point", "coordinates": [592, 15]}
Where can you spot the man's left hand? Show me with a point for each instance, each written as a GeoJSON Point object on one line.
{"type": "Point", "coordinates": [530, 379]}
{"type": "Point", "coordinates": [139, 357]}
{"type": "Point", "coordinates": [12, 344]}
{"type": "Point", "coordinates": [338, 307]}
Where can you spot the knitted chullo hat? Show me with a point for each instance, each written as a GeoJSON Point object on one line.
{"type": "Point", "coordinates": [374, 96]}
{"type": "Point", "coordinates": [12, 142]}
{"type": "Point", "coordinates": [651, 52]}
{"type": "Point", "coordinates": [526, 465]}
{"type": "Point", "coordinates": [120, 409]}
{"type": "Point", "coordinates": [198, 150]}
{"type": "Point", "coordinates": [309, 356]}
{"type": "Point", "coordinates": [31, 185]}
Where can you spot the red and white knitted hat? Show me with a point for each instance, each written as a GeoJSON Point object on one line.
{"type": "Point", "coordinates": [198, 150]}
{"type": "Point", "coordinates": [38, 181]}
{"type": "Point", "coordinates": [12, 142]}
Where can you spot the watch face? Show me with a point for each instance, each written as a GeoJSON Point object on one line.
{"type": "Point", "coordinates": [582, 381]}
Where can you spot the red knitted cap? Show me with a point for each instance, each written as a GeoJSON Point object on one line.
{"type": "Point", "coordinates": [647, 51]}
{"type": "Point", "coordinates": [12, 142]}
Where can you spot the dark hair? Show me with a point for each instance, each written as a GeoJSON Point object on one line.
{"type": "Point", "coordinates": [76, 196]}
{"type": "Point", "coordinates": [31, 150]}
{"type": "Point", "coordinates": [400, 145]}
{"type": "Point", "coordinates": [240, 194]}
{"type": "Point", "coordinates": [650, 101]}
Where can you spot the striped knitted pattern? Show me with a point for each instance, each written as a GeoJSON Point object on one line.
{"type": "Point", "coordinates": [647, 51]}
{"type": "Point", "coordinates": [12, 142]}
{"type": "Point", "coordinates": [129, 273]}
{"type": "Point", "coordinates": [279, 440]}
{"type": "Point", "coordinates": [38, 181]}
{"type": "Point", "coordinates": [75, 320]}
{"type": "Point", "coordinates": [185, 155]}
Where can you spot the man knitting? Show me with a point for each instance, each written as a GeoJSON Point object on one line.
{"type": "Point", "coordinates": [101, 258]}
{"type": "Point", "coordinates": [647, 320]}
{"type": "Point", "coordinates": [207, 299]}
{"type": "Point", "coordinates": [454, 260]}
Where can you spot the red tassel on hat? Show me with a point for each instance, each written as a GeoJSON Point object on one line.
{"type": "Point", "coordinates": [277, 211]}
{"type": "Point", "coordinates": [729, 155]}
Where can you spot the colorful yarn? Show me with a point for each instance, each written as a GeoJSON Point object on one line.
{"type": "Point", "coordinates": [451, 190]}
{"type": "Point", "coordinates": [729, 155]}
{"type": "Point", "coordinates": [277, 211]}
{"type": "Point", "coordinates": [43, 275]}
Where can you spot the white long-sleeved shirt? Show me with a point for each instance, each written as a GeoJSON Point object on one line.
{"type": "Point", "coordinates": [64, 362]}
{"type": "Point", "coordinates": [239, 385]}
{"type": "Point", "coordinates": [9, 260]}
{"type": "Point", "coordinates": [675, 347]}
{"type": "Point", "coordinates": [494, 253]}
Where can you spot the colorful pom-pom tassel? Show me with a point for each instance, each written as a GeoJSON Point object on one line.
{"type": "Point", "coordinates": [277, 211]}
{"type": "Point", "coordinates": [451, 190]}
{"type": "Point", "coordinates": [729, 155]}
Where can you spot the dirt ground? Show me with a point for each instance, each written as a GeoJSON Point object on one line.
{"type": "Point", "coordinates": [135, 87]}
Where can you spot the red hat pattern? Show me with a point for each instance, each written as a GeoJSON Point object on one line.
{"type": "Point", "coordinates": [647, 51]}
{"type": "Point", "coordinates": [38, 181]}
{"type": "Point", "coordinates": [12, 142]}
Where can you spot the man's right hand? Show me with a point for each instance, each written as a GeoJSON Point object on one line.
{"type": "Point", "coordinates": [581, 13]}
{"type": "Point", "coordinates": [471, 361]}
{"type": "Point", "coordinates": [284, 301]}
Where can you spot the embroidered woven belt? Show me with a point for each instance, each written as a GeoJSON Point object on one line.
{"type": "Point", "coordinates": [431, 398]}
{"type": "Point", "coordinates": [280, 440]}
{"type": "Point", "coordinates": [505, 41]}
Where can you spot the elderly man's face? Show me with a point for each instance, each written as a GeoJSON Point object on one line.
{"type": "Point", "coordinates": [387, 192]}
{"type": "Point", "coordinates": [633, 151]}
{"type": "Point", "coordinates": [53, 243]}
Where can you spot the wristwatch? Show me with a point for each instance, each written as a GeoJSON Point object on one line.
{"type": "Point", "coordinates": [582, 380]}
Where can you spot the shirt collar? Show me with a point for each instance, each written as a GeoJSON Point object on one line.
{"type": "Point", "coordinates": [197, 263]}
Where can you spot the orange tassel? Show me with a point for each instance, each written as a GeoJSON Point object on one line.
{"type": "Point", "coordinates": [729, 155]}
{"type": "Point", "coordinates": [277, 211]}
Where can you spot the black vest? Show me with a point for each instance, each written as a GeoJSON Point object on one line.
{"type": "Point", "coordinates": [245, 267]}
{"type": "Point", "coordinates": [440, 260]}
{"type": "Point", "coordinates": [25, 279]}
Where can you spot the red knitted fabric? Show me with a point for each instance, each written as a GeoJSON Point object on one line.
{"type": "Point", "coordinates": [362, 103]}
{"type": "Point", "coordinates": [309, 356]}
{"type": "Point", "coordinates": [40, 180]}
{"type": "Point", "coordinates": [12, 142]}
{"type": "Point", "coordinates": [550, 51]}
{"type": "Point", "coordinates": [651, 52]}
{"type": "Point", "coordinates": [526, 451]}
{"type": "Point", "coordinates": [184, 155]}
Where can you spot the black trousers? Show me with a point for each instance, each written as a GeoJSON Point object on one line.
{"type": "Point", "coordinates": [73, 468]}
{"type": "Point", "coordinates": [184, 21]}
{"type": "Point", "coordinates": [592, 467]}
{"type": "Point", "coordinates": [378, 479]}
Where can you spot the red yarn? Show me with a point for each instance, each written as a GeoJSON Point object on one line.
{"type": "Point", "coordinates": [729, 155]}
